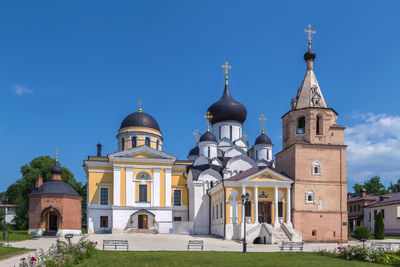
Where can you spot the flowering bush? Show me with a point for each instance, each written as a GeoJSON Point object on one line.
{"type": "Point", "coordinates": [61, 254]}
{"type": "Point", "coordinates": [363, 254]}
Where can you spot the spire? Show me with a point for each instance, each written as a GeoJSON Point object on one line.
{"type": "Point", "coordinates": [56, 153]}
{"type": "Point", "coordinates": [309, 94]}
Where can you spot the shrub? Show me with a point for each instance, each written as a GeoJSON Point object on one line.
{"type": "Point", "coordinates": [362, 232]}
{"type": "Point", "coordinates": [379, 226]}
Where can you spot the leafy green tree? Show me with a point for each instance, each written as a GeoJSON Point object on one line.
{"type": "Point", "coordinates": [379, 226]}
{"type": "Point", "coordinates": [394, 188]}
{"type": "Point", "coordinates": [18, 191]}
{"type": "Point", "coordinates": [362, 232]}
{"type": "Point", "coordinates": [373, 185]}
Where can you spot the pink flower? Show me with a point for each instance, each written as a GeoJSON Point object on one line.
{"type": "Point", "coordinates": [33, 259]}
{"type": "Point", "coordinates": [22, 259]}
{"type": "Point", "coordinates": [348, 245]}
{"type": "Point", "coordinates": [95, 242]}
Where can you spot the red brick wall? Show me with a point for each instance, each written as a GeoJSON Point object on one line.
{"type": "Point", "coordinates": [68, 206]}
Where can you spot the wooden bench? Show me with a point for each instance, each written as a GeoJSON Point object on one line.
{"type": "Point", "coordinates": [291, 245]}
{"type": "Point", "coordinates": [381, 246]}
{"type": "Point", "coordinates": [195, 244]}
{"type": "Point", "coordinates": [115, 243]}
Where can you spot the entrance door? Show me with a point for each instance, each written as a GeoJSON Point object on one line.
{"type": "Point", "coordinates": [53, 222]}
{"type": "Point", "coordinates": [142, 221]}
{"type": "Point", "coordinates": [264, 212]}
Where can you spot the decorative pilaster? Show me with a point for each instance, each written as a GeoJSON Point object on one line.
{"type": "Point", "coordinates": [130, 192]}
{"type": "Point", "coordinates": [156, 184]}
{"type": "Point", "coordinates": [276, 218]}
{"type": "Point", "coordinates": [168, 187]}
{"type": "Point", "coordinates": [117, 186]}
{"type": "Point", "coordinates": [256, 204]}
{"type": "Point", "coordinates": [288, 206]}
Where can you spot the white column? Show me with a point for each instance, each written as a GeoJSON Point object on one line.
{"type": "Point", "coordinates": [168, 187]}
{"type": "Point", "coordinates": [117, 186]}
{"type": "Point", "coordinates": [130, 193]}
{"type": "Point", "coordinates": [152, 194]}
{"type": "Point", "coordinates": [156, 185]}
{"type": "Point", "coordinates": [256, 204]}
{"type": "Point", "coordinates": [288, 205]}
{"type": "Point", "coordinates": [276, 218]}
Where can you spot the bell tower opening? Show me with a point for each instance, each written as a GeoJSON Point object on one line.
{"type": "Point", "coordinates": [301, 125]}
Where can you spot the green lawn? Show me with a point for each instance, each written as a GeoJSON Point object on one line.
{"type": "Point", "coordinates": [6, 252]}
{"type": "Point", "coordinates": [16, 235]}
{"type": "Point", "coordinates": [194, 258]}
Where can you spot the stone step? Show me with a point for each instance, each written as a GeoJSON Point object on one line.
{"type": "Point", "coordinates": [142, 231]}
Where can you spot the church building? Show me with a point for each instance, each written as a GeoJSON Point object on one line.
{"type": "Point", "coordinates": [300, 194]}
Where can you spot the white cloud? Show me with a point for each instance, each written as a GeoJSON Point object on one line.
{"type": "Point", "coordinates": [21, 90]}
{"type": "Point", "coordinates": [374, 148]}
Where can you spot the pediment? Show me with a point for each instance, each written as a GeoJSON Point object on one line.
{"type": "Point", "coordinates": [142, 153]}
{"type": "Point", "coordinates": [268, 175]}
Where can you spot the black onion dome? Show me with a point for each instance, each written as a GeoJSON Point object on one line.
{"type": "Point", "coordinates": [310, 54]}
{"type": "Point", "coordinates": [227, 109]}
{"type": "Point", "coordinates": [208, 136]}
{"type": "Point", "coordinates": [55, 187]}
{"type": "Point", "coordinates": [56, 169]}
{"type": "Point", "coordinates": [140, 119]}
{"type": "Point", "coordinates": [263, 139]}
{"type": "Point", "coordinates": [194, 151]}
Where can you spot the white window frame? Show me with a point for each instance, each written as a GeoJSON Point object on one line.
{"type": "Point", "coordinates": [108, 196]}
{"type": "Point", "coordinates": [174, 197]}
{"type": "Point", "coordinates": [316, 164]}
{"type": "Point", "coordinates": [311, 193]}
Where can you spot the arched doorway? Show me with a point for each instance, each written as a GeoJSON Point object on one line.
{"type": "Point", "coordinates": [51, 219]}
{"type": "Point", "coordinates": [142, 219]}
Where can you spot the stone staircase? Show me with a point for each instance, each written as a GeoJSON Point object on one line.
{"type": "Point", "coordinates": [142, 231]}
{"type": "Point", "coordinates": [278, 235]}
{"type": "Point", "coordinates": [274, 235]}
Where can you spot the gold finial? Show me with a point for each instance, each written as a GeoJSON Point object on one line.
{"type": "Point", "coordinates": [140, 105]}
{"type": "Point", "coordinates": [196, 133]}
{"type": "Point", "coordinates": [227, 67]}
{"type": "Point", "coordinates": [56, 153]}
{"type": "Point", "coordinates": [262, 119]}
{"type": "Point", "coordinates": [309, 33]}
{"type": "Point", "coordinates": [208, 117]}
{"type": "Point", "coordinates": [244, 135]}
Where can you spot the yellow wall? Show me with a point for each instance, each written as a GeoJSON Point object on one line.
{"type": "Point", "coordinates": [94, 189]}
{"type": "Point", "coordinates": [162, 188]}
{"type": "Point", "coordinates": [123, 187]}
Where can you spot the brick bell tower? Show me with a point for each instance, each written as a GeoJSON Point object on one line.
{"type": "Point", "coordinates": [314, 155]}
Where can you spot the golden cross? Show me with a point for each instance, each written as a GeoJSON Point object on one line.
{"type": "Point", "coordinates": [227, 67]}
{"type": "Point", "coordinates": [309, 33]}
{"type": "Point", "coordinates": [262, 119]}
{"type": "Point", "coordinates": [56, 153]}
{"type": "Point", "coordinates": [244, 135]}
{"type": "Point", "coordinates": [208, 117]}
{"type": "Point", "coordinates": [196, 133]}
{"type": "Point", "coordinates": [140, 105]}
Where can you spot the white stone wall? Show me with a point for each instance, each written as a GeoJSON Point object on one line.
{"type": "Point", "coordinates": [93, 219]}
{"type": "Point", "coordinates": [391, 222]}
{"type": "Point", "coordinates": [222, 130]}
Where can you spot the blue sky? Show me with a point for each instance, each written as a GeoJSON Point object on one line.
{"type": "Point", "coordinates": [71, 71]}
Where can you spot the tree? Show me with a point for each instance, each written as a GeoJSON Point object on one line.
{"type": "Point", "coordinates": [379, 226]}
{"type": "Point", "coordinates": [18, 191]}
{"type": "Point", "coordinates": [394, 188]}
{"type": "Point", "coordinates": [362, 232]}
{"type": "Point", "coordinates": [373, 185]}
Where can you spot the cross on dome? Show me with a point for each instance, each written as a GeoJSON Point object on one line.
{"type": "Point", "coordinates": [208, 117]}
{"type": "Point", "coordinates": [197, 134]}
{"type": "Point", "coordinates": [140, 105]}
{"type": "Point", "coordinates": [309, 32]}
{"type": "Point", "coordinates": [56, 153]}
{"type": "Point", "coordinates": [227, 67]}
{"type": "Point", "coordinates": [262, 120]}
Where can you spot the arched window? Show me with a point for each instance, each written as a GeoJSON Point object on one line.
{"type": "Point", "coordinates": [147, 141]}
{"type": "Point", "coordinates": [219, 132]}
{"type": "Point", "coordinates": [230, 132]}
{"type": "Point", "coordinates": [318, 126]}
{"type": "Point", "coordinates": [134, 141]}
{"type": "Point", "coordinates": [122, 143]}
{"type": "Point", "coordinates": [316, 168]}
{"type": "Point", "coordinates": [209, 151]}
{"type": "Point", "coordinates": [157, 144]}
{"type": "Point", "coordinates": [301, 125]}
{"type": "Point", "coordinates": [310, 196]}
{"type": "Point", "coordinates": [267, 154]}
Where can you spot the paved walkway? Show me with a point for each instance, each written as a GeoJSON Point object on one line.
{"type": "Point", "coordinates": [169, 242]}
